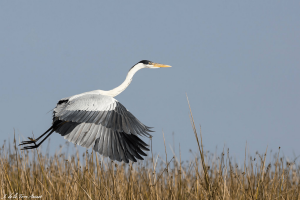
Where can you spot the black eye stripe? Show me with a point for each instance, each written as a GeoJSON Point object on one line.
{"type": "Point", "coordinates": [146, 62]}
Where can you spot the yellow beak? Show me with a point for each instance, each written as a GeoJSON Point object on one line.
{"type": "Point", "coordinates": [160, 65]}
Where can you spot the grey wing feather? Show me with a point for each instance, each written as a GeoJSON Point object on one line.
{"type": "Point", "coordinates": [85, 141]}
{"type": "Point", "coordinates": [105, 142]}
{"type": "Point", "coordinates": [93, 136]}
{"type": "Point", "coordinates": [121, 150]}
{"type": "Point", "coordinates": [109, 146]}
{"type": "Point", "coordinates": [98, 147]}
{"type": "Point", "coordinates": [115, 148]}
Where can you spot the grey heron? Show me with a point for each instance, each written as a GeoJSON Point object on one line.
{"type": "Point", "coordinates": [97, 119]}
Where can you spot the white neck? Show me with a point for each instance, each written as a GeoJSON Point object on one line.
{"type": "Point", "coordinates": [114, 92]}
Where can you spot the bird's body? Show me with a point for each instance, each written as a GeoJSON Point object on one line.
{"type": "Point", "coordinates": [93, 119]}
{"type": "Point", "coordinates": [97, 119]}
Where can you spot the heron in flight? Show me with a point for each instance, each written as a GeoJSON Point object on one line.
{"type": "Point", "coordinates": [97, 119]}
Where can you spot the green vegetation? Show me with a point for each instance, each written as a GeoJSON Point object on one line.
{"type": "Point", "coordinates": [207, 176]}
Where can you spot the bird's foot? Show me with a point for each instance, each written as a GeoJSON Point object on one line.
{"type": "Point", "coordinates": [30, 141]}
{"type": "Point", "coordinates": [31, 147]}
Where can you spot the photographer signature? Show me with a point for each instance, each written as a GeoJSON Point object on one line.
{"type": "Point", "coordinates": [20, 196]}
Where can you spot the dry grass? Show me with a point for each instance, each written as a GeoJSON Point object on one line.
{"type": "Point", "coordinates": [207, 176]}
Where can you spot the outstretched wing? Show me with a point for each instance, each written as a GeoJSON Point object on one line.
{"type": "Point", "coordinates": [99, 120]}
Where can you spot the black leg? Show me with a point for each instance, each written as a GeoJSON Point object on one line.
{"type": "Point", "coordinates": [31, 140]}
{"type": "Point", "coordinates": [37, 145]}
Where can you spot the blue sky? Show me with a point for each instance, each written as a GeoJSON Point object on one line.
{"type": "Point", "coordinates": [237, 61]}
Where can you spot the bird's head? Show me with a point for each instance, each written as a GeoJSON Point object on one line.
{"type": "Point", "coordinates": [150, 64]}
